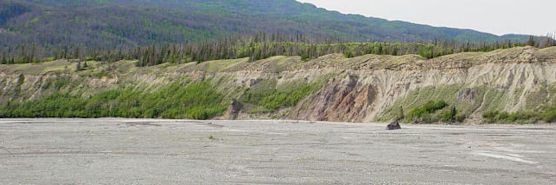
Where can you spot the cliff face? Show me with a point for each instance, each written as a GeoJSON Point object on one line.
{"type": "Point", "coordinates": [361, 89]}
{"type": "Point", "coordinates": [507, 80]}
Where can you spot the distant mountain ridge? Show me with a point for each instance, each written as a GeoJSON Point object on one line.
{"type": "Point", "coordinates": [113, 23]}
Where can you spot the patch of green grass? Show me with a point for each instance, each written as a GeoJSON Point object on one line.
{"type": "Point", "coordinates": [426, 112]}
{"type": "Point", "coordinates": [539, 107]}
{"type": "Point", "coordinates": [61, 82]}
{"type": "Point", "coordinates": [507, 117]}
{"type": "Point", "coordinates": [547, 114]}
{"type": "Point", "coordinates": [287, 97]}
{"type": "Point", "coordinates": [415, 104]}
{"type": "Point", "coordinates": [429, 107]}
{"type": "Point", "coordinates": [101, 74]}
{"type": "Point", "coordinates": [419, 97]}
{"type": "Point", "coordinates": [466, 101]}
{"type": "Point", "coordinates": [197, 100]}
{"type": "Point", "coordinates": [267, 95]}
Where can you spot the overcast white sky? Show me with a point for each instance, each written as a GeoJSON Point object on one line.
{"type": "Point", "coordinates": [494, 16]}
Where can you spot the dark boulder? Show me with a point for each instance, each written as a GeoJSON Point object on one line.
{"type": "Point", "coordinates": [394, 125]}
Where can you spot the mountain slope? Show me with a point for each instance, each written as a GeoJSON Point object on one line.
{"type": "Point", "coordinates": [112, 23]}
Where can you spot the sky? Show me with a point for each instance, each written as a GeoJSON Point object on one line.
{"type": "Point", "coordinates": [499, 17]}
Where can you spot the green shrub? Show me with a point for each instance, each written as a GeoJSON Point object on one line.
{"type": "Point", "coordinates": [460, 117]}
{"type": "Point", "coordinates": [549, 115]}
{"type": "Point", "coordinates": [194, 101]}
{"type": "Point", "coordinates": [434, 111]}
{"type": "Point", "coordinates": [433, 106]}
{"type": "Point", "coordinates": [423, 112]}
{"type": "Point", "coordinates": [514, 117]}
{"type": "Point", "coordinates": [448, 116]}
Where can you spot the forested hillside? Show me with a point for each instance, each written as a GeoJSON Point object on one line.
{"type": "Point", "coordinates": [48, 25]}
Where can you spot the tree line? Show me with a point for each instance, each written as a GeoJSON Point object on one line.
{"type": "Point", "coordinates": [255, 47]}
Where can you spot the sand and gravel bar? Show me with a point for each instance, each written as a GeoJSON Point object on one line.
{"type": "Point", "coordinates": [137, 151]}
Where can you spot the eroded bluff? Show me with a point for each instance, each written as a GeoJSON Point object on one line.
{"type": "Point", "coordinates": [330, 88]}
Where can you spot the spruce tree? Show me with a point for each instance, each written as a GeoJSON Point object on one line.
{"type": "Point", "coordinates": [531, 41]}
{"type": "Point", "coordinates": [4, 60]}
{"type": "Point", "coordinates": [78, 66]}
{"type": "Point", "coordinates": [453, 113]}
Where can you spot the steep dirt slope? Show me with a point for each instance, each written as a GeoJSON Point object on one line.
{"type": "Point", "coordinates": [506, 80]}
{"type": "Point", "coordinates": [334, 88]}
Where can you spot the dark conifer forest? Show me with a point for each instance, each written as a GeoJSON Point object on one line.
{"type": "Point", "coordinates": [159, 31]}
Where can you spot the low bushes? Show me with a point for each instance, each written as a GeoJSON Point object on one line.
{"type": "Point", "coordinates": [193, 101]}
{"type": "Point", "coordinates": [267, 96]}
{"type": "Point", "coordinates": [427, 108]}
{"type": "Point", "coordinates": [506, 117]}
{"type": "Point", "coordinates": [434, 111]}
{"type": "Point", "coordinates": [548, 115]}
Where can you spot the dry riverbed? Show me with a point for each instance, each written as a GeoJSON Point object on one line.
{"type": "Point", "coordinates": [129, 151]}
